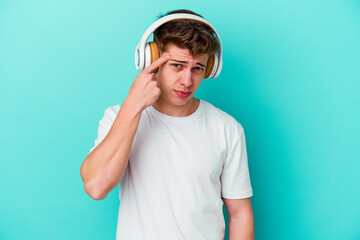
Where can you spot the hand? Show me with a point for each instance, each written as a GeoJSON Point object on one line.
{"type": "Point", "coordinates": [145, 89]}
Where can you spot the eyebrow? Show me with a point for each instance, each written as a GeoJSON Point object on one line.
{"type": "Point", "coordinates": [186, 62]}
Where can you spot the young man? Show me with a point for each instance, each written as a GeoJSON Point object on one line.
{"type": "Point", "coordinates": [178, 159]}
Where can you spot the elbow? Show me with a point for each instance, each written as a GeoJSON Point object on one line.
{"type": "Point", "coordinates": [90, 186]}
{"type": "Point", "coordinates": [94, 192]}
{"type": "Point", "coordinates": [95, 186]}
{"type": "Point", "coordinates": [97, 196]}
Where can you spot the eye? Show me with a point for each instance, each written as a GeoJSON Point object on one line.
{"type": "Point", "coordinates": [199, 69]}
{"type": "Point", "coordinates": [176, 65]}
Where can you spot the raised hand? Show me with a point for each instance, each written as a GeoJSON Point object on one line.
{"type": "Point", "coordinates": [145, 90]}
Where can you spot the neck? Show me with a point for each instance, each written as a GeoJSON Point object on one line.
{"type": "Point", "coordinates": [168, 108]}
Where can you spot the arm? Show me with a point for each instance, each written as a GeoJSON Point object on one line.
{"type": "Point", "coordinates": [241, 219]}
{"type": "Point", "coordinates": [103, 169]}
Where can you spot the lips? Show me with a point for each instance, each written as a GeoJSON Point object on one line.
{"type": "Point", "coordinates": [182, 93]}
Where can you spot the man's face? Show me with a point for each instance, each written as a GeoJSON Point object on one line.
{"type": "Point", "coordinates": [182, 73]}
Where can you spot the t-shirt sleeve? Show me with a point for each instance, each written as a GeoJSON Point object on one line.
{"type": "Point", "coordinates": [105, 124]}
{"type": "Point", "coordinates": [235, 178]}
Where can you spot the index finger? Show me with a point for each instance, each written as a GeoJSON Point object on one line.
{"type": "Point", "coordinates": [157, 63]}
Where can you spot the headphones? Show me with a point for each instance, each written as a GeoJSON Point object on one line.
{"type": "Point", "coordinates": [147, 53]}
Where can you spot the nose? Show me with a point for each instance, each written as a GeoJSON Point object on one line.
{"type": "Point", "coordinates": [186, 78]}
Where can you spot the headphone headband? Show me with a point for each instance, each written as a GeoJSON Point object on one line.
{"type": "Point", "coordinates": [140, 48]}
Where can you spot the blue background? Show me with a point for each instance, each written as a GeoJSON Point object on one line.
{"type": "Point", "coordinates": [291, 77]}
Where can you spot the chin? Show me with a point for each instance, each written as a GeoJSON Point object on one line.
{"type": "Point", "coordinates": [181, 101]}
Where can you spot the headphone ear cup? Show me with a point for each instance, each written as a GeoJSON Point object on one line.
{"type": "Point", "coordinates": [209, 66]}
{"type": "Point", "coordinates": [151, 54]}
{"type": "Point", "coordinates": [155, 53]}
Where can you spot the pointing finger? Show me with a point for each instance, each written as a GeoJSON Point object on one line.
{"type": "Point", "coordinates": [157, 63]}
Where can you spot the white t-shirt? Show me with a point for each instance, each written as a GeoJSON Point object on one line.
{"type": "Point", "coordinates": [179, 169]}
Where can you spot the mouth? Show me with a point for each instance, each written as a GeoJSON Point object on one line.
{"type": "Point", "coordinates": [182, 93]}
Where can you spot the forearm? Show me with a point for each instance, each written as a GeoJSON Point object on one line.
{"type": "Point", "coordinates": [242, 228]}
{"type": "Point", "coordinates": [104, 167]}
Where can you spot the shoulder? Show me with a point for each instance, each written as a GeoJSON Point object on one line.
{"type": "Point", "coordinates": [113, 109]}
{"type": "Point", "coordinates": [220, 115]}
{"type": "Point", "coordinates": [110, 113]}
{"type": "Point", "coordinates": [230, 124]}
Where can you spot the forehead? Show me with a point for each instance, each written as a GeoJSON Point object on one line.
{"type": "Point", "coordinates": [184, 54]}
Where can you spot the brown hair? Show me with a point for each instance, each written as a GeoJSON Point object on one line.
{"type": "Point", "coordinates": [189, 34]}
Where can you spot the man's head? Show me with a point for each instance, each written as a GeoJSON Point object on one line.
{"type": "Point", "coordinates": [190, 43]}
{"type": "Point", "coordinates": [189, 34]}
